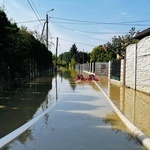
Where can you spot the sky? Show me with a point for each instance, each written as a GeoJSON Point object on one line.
{"type": "Point", "coordinates": [87, 23]}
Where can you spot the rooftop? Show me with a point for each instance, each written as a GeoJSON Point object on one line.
{"type": "Point", "coordinates": [142, 34]}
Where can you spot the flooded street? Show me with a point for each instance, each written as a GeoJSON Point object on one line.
{"type": "Point", "coordinates": [81, 119]}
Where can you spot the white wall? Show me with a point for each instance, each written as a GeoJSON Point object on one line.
{"type": "Point", "coordinates": [130, 64]}
{"type": "Point", "coordinates": [138, 65]}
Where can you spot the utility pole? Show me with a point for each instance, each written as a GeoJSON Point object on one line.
{"type": "Point", "coordinates": [47, 27]}
{"type": "Point", "coordinates": [56, 50]}
{"type": "Point", "coordinates": [47, 31]}
{"type": "Point", "coordinates": [42, 32]}
{"type": "Point", "coordinates": [83, 59]}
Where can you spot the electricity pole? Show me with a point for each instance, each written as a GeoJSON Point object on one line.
{"type": "Point", "coordinates": [56, 50]}
{"type": "Point", "coordinates": [47, 20]}
{"type": "Point", "coordinates": [47, 31]}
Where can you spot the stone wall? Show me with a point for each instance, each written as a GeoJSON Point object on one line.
{"type": "Point", "coordinates": [138, 65]}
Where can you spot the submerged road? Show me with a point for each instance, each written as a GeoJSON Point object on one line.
{"type": "Point", "coordinates": [81, 119]}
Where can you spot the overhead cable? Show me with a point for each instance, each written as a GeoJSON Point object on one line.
{"type": "Point", "coordinates": [105, 23]}
{"type": "Point", "coordinates": [34, 12]}
{"type": "Point", "coordinates": [88, 31]}
{"type": "Point", "coordinates": [77, 42]}
{"type": "Point", "coordinates": [29, 21]}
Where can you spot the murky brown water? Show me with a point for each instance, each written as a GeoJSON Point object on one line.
{"type": "Point", "coordinates": [133, 104]}
{"type": "Point", "coordinates": [81, 120]}
{"type": "Point", "coordinates": [17, 106]}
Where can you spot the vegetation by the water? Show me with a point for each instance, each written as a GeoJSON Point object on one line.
{"type": "Point", "coordinates": [22, 56]}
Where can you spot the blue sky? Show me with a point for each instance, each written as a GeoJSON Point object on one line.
{"type": "Point", "coordinates": [89, 22]}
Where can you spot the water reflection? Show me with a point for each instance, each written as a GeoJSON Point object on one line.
{"type": "Point", "coordinates": [118, 126]}
{"type": "Point", "coordinates": [85, 103]}
{"type": "Point", "coordinates": [133, 104]}
{"type": "Point", "coordinates": [17, 106]}
{"type": "Point", "coordinates": [20, 105]}
{"type": "Point", "coordinates": [69, 75]}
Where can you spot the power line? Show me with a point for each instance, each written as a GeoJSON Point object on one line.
{"type": "Point", "coordinates": [35, 9]}
{"type": "Point", "coordinates": [75, 30]}
{"type": "Point", "coordinates": [78, 32]}
{"type": "Point", "coordinates": [77, 42]}
{"type": "Point", "coordinates": [34, 12]}
{"type": "Point", "coordinates": [30, 21]}
{"type": "Point", "coordinates": [104, 23]}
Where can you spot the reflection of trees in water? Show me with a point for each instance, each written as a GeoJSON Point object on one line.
{"type": "Point", "coordinates": [117, 125]}
{"type": "Point", "coordinates": [26, 136]}
{"type": "Point", "coordinates": [20, 105]}
{"type": "Point", "coordinates": [69, 75]}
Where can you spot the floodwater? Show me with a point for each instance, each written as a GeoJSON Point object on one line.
{"type": "Point", "coordinates": [17, 106]}
{"type": "Point", "coordinates": [133, 104]}
{"type": "Point", "coordinates": [81, 119]}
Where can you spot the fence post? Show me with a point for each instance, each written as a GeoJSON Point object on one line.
{"type": "Point", "coordinates": [91, 67]}
{"type": "Point", "coordinates": [135, 66]}
{"type": "Point", "coordinates": [109, 70]}
{"type": "Point", "coordinates": [122, 72]}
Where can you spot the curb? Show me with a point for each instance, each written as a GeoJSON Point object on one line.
{"type": "Point", "coordinates": [139, 135]}
{"type": "Point", "coordinates": [14, 134]}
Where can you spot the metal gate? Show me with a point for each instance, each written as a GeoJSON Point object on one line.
{"type": "Point", "coordinates": [115, 69]}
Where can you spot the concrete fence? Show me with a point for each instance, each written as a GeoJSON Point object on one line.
{"type": "Point", "coordinates": [137, 75]}
{"type": "Point", "coordinates": [99, 68]}
{"type": "Point", "coordinates": [135, 68]}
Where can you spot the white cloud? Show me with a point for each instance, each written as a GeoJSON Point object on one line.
{"type": "Point", "coordinates": [124, 13]}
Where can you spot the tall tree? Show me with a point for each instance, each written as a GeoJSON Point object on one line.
{"type": "Point", "coordinates": [73, 51]}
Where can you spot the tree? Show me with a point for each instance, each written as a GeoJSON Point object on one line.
{"type": "Point", "coordinates": [119, 44]}
{"type": "Point", "coordinates": [73, 51]}
{"type": "Point", "coordinates": [67, 58]}
{"type": "Point", "coordinates": [20, 51]}
{"type": "Point", "coordinates": [100, 54]}
{"type": "Point", "coordinates": [7, 35]}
